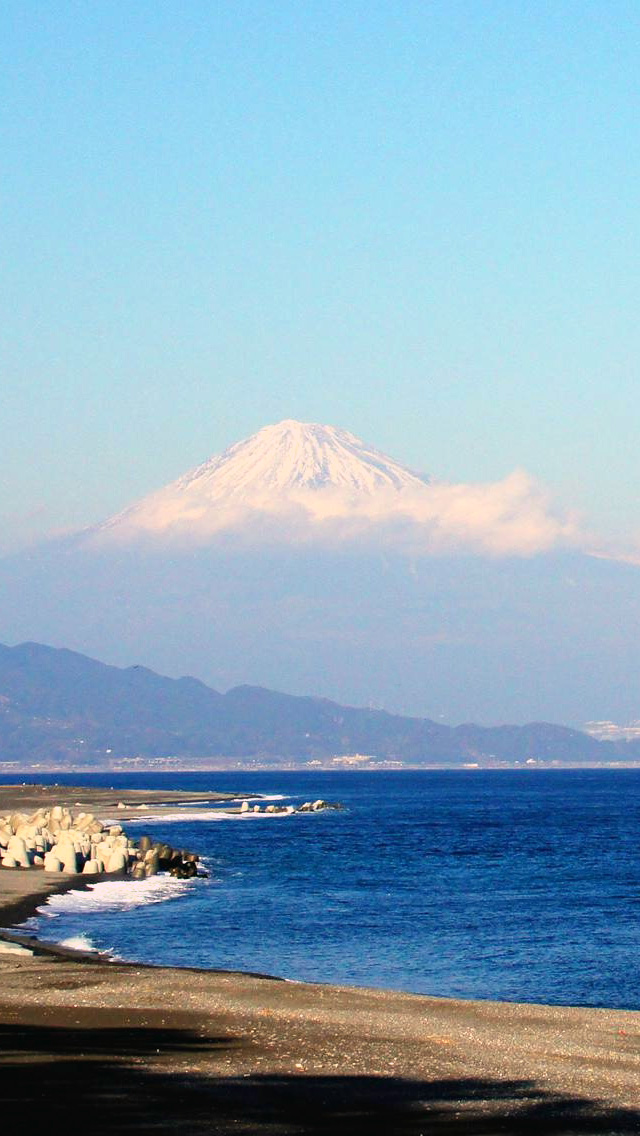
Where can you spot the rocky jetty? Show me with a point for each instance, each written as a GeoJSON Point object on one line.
{"type": "Point", "coordinates": [307, 807]}
{"type": "Point", "coordinates": [318, 806]}
{"type": "Point", "coordinates": [58, 840]}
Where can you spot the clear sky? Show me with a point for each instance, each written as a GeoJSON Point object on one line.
{"type": "Point", "coordinates": [418, 221]}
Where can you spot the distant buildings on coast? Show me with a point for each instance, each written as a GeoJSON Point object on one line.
{"type": "Point", "coordinates": [611, 732]}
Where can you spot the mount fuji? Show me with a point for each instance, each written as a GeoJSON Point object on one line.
{"type": "Point", "coordinates": [320, 471]}
{"type": "Point", "coordinates": [301, 482]}
{"type": "Point", "coordinates": [306, 561]}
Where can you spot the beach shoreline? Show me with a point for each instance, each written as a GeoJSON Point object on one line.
{"type": "Point", "coordinates": [257, 1054]}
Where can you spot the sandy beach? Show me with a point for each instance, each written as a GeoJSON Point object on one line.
{"type": "Point", "coordinates": [135, 1048]}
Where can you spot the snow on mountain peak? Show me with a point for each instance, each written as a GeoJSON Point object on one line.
{"type": "Point", "coordinates": [299, 456]}
{"type": "Point", "coordinates": [320, 469]}
{"type": "Point", "coordinates": [300, 481]}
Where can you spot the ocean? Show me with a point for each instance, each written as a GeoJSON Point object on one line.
{"type": "Point", "coordinates": [519, 886]}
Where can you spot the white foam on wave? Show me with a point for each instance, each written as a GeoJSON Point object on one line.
{"type": "Point", "coordinates": [203, 813]}
{"type": "Point", "coordinates": [257, 798]}
{"type": "Point", "coordinates": [170, 818]}
{"type": "Point", "coordinates": [78, 943]}
{"type": "Point", "coordinates": [205, 816]}
{"type": "Point", "coordinates": [116, 895]}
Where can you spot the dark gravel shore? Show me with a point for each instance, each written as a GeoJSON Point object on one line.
{"type": "Point", "coordinates": [143, 1049]}
{"type": "Point", "coordinates": [29, 797]}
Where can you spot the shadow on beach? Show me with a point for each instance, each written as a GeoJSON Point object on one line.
{"type": "Point", "coordinates": [110, 1077]}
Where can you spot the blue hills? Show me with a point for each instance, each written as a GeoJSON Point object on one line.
{"type": "Point", "coordinates": [63, 709]}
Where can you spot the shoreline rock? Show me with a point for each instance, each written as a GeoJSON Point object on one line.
{"type": "Point", "coordinates": [307, 807]}
{"type": "Point", "coordinates": [58, 840]}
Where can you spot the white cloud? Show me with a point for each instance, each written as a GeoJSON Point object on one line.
{"type": "Point", "coordinates": [509, 517]}
{"type": "Point", "coordinates": [512, 517]}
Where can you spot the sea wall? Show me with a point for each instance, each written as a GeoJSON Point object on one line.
{"type": "Point", "coordinates": [58, 840]}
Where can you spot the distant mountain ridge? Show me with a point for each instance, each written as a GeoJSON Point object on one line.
{"type": "Point", "coordinates": [303, 559]}
{"type": "Point", "coordinates": [62, 707]}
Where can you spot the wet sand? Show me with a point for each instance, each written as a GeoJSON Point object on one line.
{"type": "Point", "coordinates": [146, 1049]}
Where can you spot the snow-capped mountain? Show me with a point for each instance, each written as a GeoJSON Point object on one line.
{"type": "Point", "coordinates": [321, 471]}
{"type": "Point", "coordinates": [304, 560]}
{"type": "Point", "coordinates": [292, 456]}
{"type": "Point", "coordinates": [302, 482]}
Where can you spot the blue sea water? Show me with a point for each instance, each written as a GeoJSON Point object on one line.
{"type": "Point", "coordinates": [519, 886]}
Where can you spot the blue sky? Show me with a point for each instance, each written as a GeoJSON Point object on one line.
{"type": "Point", "coordinates": [418, 221]}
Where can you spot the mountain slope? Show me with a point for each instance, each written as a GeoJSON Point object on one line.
{"type": "Point", "coordinates": [551, 638]}
{"type": "Point", "coordinates": [320, 469]}
{"type": "Point", "coordinates": [303, 559]}
{"type": "Point", "coordinates": [63, 707]}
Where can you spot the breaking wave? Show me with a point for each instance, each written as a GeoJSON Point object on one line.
{"type": "Point", "coordinates": [206, 816]}
{"type": "Point", "coordinates": [79, 943]}
{"type": "Point", "coordinates": [115, 895]}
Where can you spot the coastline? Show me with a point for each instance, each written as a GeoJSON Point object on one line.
{"type": "Point", "coordinates": [255, 1054]}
